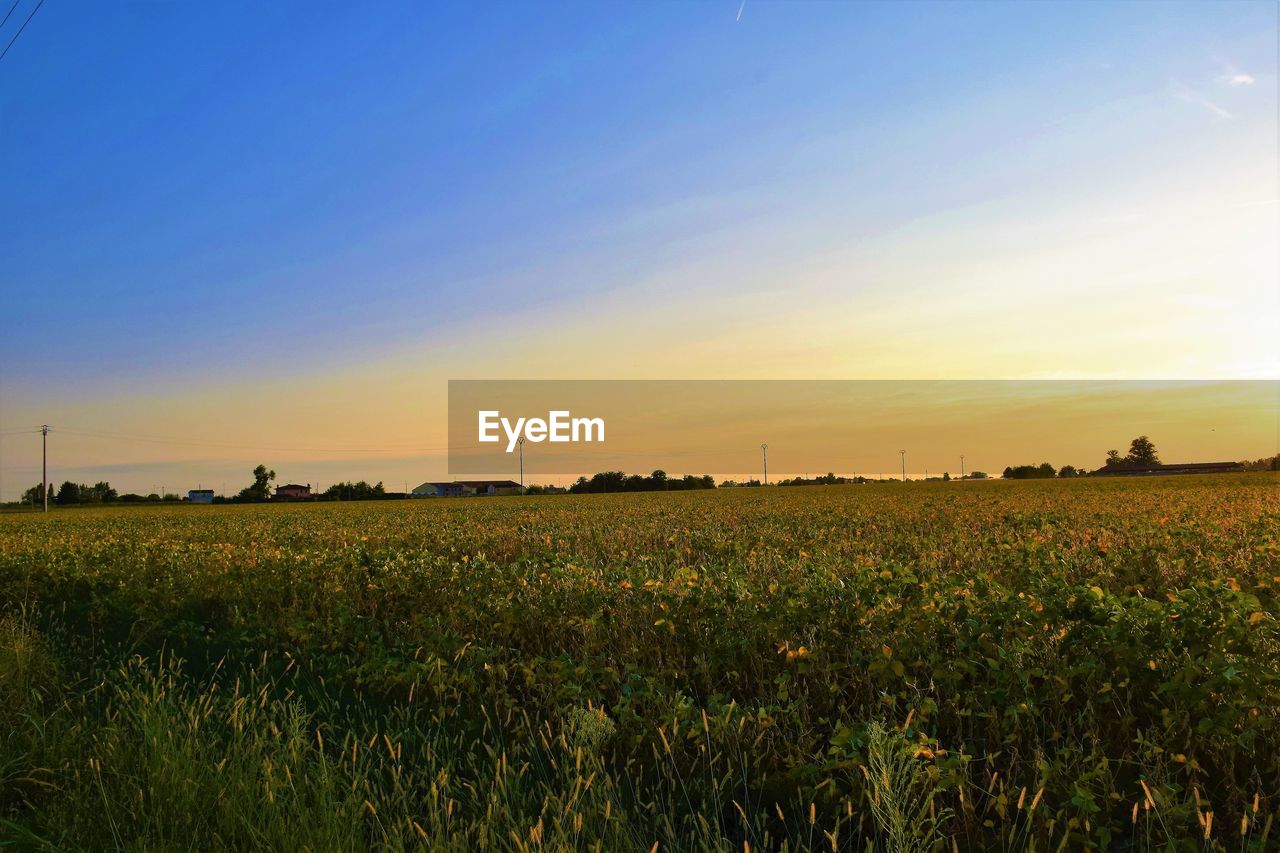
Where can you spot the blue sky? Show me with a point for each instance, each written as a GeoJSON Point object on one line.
{"type": "Point", "coordinates": [210, 196]}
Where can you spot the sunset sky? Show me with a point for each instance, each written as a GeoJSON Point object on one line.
{"type": "Point", "coordinates": [239, 232]}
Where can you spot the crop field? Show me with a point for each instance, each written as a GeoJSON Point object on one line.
{"type": "Point", "coordinates": [955, 666]}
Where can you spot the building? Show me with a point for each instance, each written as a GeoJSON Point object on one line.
{"type": "Point", "coordinates": [200, 496]}
{"type": "Point", "coordinates": [1161, 470]}
{"type": "Point", "coordinates": [293, 492]}
{"type": "Point", "coordinates": [466, 488]}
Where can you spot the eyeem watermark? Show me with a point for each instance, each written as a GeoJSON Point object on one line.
{"type": "Point", "coordinates": [559, 427]}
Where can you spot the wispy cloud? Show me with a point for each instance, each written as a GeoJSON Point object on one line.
{"type": "Point", "coordinates": [1202, 300]}
{"type": "Point", "coordinates": [1121, 219]}
{"type": "Point", "coordinates": [1264, 202]}
{"type": "Point", "coordinates": [1231, 75]}
{"type": "Point", "coordinates": [1188, 95]}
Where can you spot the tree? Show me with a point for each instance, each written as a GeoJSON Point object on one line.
{"type": "Point", "coordinates": [1142, 452]}
{"type": "Point", "coordinates": [1029, 472]}
{"type": "Point", "coordinates": [360, 491]}
{"type": "Point", "coordinates": [100, 492]}
{"type": "Point", "coordinates": [77, 493]}
{"type": "Point", "coordinates": [658, 481]}
{"type": "Point", "coordinates": [1068, 471]}
{"type": "Point", "coordinates": [261, 488]}
{"type": "Point", "coordinates": [1268, 463]}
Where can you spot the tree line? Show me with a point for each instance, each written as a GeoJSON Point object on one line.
{"type": "Point", "coordinates": [658, 481]}
{"type": "Point", "coordinates": [1142, 454]}
{"type": "Point", "coordinates": [260, 489]}
{"type": "Point", "coordinates": [73, 494]}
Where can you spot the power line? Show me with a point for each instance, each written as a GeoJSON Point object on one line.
{"type": "Point", "coordinates": [10, 12]}
{"type": "Point", "coordinates": [42, 429]}
{"type": "Point", "coordinates": [388, 447]}
{"type": "Point", "coordinates": [21, 28]}
{"type": "Point", "coordinates": [196, 442]}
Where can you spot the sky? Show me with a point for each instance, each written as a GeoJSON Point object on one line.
{"type": "Point", "coordinates": [236, 233]}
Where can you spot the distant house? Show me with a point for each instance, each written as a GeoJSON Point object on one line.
{"type": "Point", "coordinates": [200, 496]}
{"type": "Point", "coordinates": [466, 488]}
{"type": "Point", "coordinates": [1161, 470]}
{"type": "Point", "coordinates": [293, 492]}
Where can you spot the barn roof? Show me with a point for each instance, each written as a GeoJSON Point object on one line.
{"type": "Point", "coordinates": [1177, 468]}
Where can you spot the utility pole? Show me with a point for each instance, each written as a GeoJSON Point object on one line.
{"type": "Point", "coordinates": [44, 465]}
{"type": "Point", "coordinates": [961, 466]}
{"type": "Point", "coordinates": [764, 458]}
{"type": "Point", "coordinates": [521, 443]}
{"type": "Point", "coordinates": [903, 454]}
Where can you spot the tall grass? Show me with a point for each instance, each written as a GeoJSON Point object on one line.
{"type": "Point", "coordinates": [151, 757]}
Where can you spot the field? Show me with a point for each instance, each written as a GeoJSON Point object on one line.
{"type": "Point", "coordinates": [959, 666]}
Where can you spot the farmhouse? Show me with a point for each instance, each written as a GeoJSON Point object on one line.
{"type": "Point", "coordinates": [200, 496]}
{"type": "Point", "coordinates": [466, 488]}
{"type": "Point", "coordinates": [1160, 470]}
{"type": "Point", "coordinates": [293, 492]}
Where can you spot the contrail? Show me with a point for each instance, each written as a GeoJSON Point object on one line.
{"type": "Point", "coordinates": [741, 6]}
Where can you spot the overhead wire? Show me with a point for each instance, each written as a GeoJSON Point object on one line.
{"type": "Point", "coordinates": [199, 442]}
{"type": "Point", "coordinates": [21, 28]}
{"type": "Point", "coordinates": [9, 13]}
